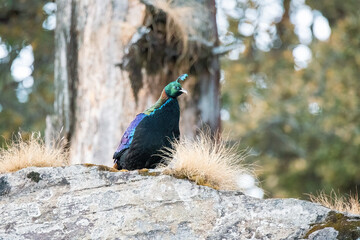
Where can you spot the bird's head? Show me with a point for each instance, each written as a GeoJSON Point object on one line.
{"type": "Point", "coordinates": [174, 88]}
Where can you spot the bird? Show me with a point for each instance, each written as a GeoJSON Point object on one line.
{"type": "Point", "coordinates": [151, 130]}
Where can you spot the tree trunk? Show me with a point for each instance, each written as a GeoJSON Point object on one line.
{"type": "Point", "coordinates": [113, 58]}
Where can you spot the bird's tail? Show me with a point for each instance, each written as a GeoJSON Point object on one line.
{"type": "Point", "coordinates": [119, 158]}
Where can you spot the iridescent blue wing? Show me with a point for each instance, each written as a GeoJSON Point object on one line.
{"type": "Point", "coordinates": [128, 136]}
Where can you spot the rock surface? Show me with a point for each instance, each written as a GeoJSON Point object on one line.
{"type": "Point", "coordinates": [90, 202]}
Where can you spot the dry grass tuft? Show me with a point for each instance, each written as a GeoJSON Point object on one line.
{"type": "Point", "coordinates": [349, 204]}
{"type": "Point", "coordinates": [33, 152]}
{"type": "Point", "coordinates": [206, 162]}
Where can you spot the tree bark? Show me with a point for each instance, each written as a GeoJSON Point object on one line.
{"type": "Point", "coordinates": [107, 70]}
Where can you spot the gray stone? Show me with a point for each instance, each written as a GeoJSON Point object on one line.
{"type": "Point", "coordinates": [327, 233]}
{"type": "Point", "coordinates": [82, 202]}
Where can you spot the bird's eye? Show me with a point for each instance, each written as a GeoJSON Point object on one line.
{"type": "Point", "coordinates": [177, 88]}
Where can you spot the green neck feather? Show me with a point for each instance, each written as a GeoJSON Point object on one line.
{"type": "Point", "coordinates": [162, 99]}
{"type": "Point", "coordinates": [172, 90]}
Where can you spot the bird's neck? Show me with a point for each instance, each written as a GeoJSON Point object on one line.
{"type": "Point", "coordinates": [162, 99]}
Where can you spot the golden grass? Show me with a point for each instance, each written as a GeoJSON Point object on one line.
{"type": "Point", "coordinates": [33, 152]}
{"type": "Point", "coordinates": [206, 162]}
{"type": "Point", "coordinates": [349, 204]}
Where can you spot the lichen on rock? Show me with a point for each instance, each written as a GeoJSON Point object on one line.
{"type": "Point", "coordinates": [4, 186]}
{"type": "Point", "coordinates": [34, 176]}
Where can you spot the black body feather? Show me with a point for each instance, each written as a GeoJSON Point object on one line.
{"type": "Point", "coordinates": [152, 133]}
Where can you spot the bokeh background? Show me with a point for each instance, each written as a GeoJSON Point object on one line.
{"type": "Point", "coordinates": [290, 85]}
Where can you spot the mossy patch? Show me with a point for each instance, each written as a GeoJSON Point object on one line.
{"type": "Point", "coordinates": [348, 227]}
{"type": "Point", "coordinates": [34, 176]}
{"type": "Point", "coordinates": [199, 180]}
{"type": "Point", "coordinates": [101, 167]}
{"type": "Point", "coordinates": [146, 172]}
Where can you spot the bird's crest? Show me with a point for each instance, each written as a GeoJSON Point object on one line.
{"type": "Point", "coordinates": [182, 77]}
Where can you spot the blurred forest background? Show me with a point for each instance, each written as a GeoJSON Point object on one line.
{"type": "Point", "coordinates": [290, 85]}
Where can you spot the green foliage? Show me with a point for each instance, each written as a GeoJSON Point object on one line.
{"type": "Point", "coordinates": [20, 26]}
{"type": "Point", "coordinates": [301, 149]}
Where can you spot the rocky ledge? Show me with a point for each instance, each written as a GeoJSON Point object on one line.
{"type": "Point", "coordinates": [94, 202]}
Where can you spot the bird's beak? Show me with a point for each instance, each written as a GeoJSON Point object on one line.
{"type": "Point", "coordinates": [183, 91]}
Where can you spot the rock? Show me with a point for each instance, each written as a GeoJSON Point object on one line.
{"type": "Point", "coordinates": [91, 202]}
{"type": "Point", "coordinates": [324, 234]}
